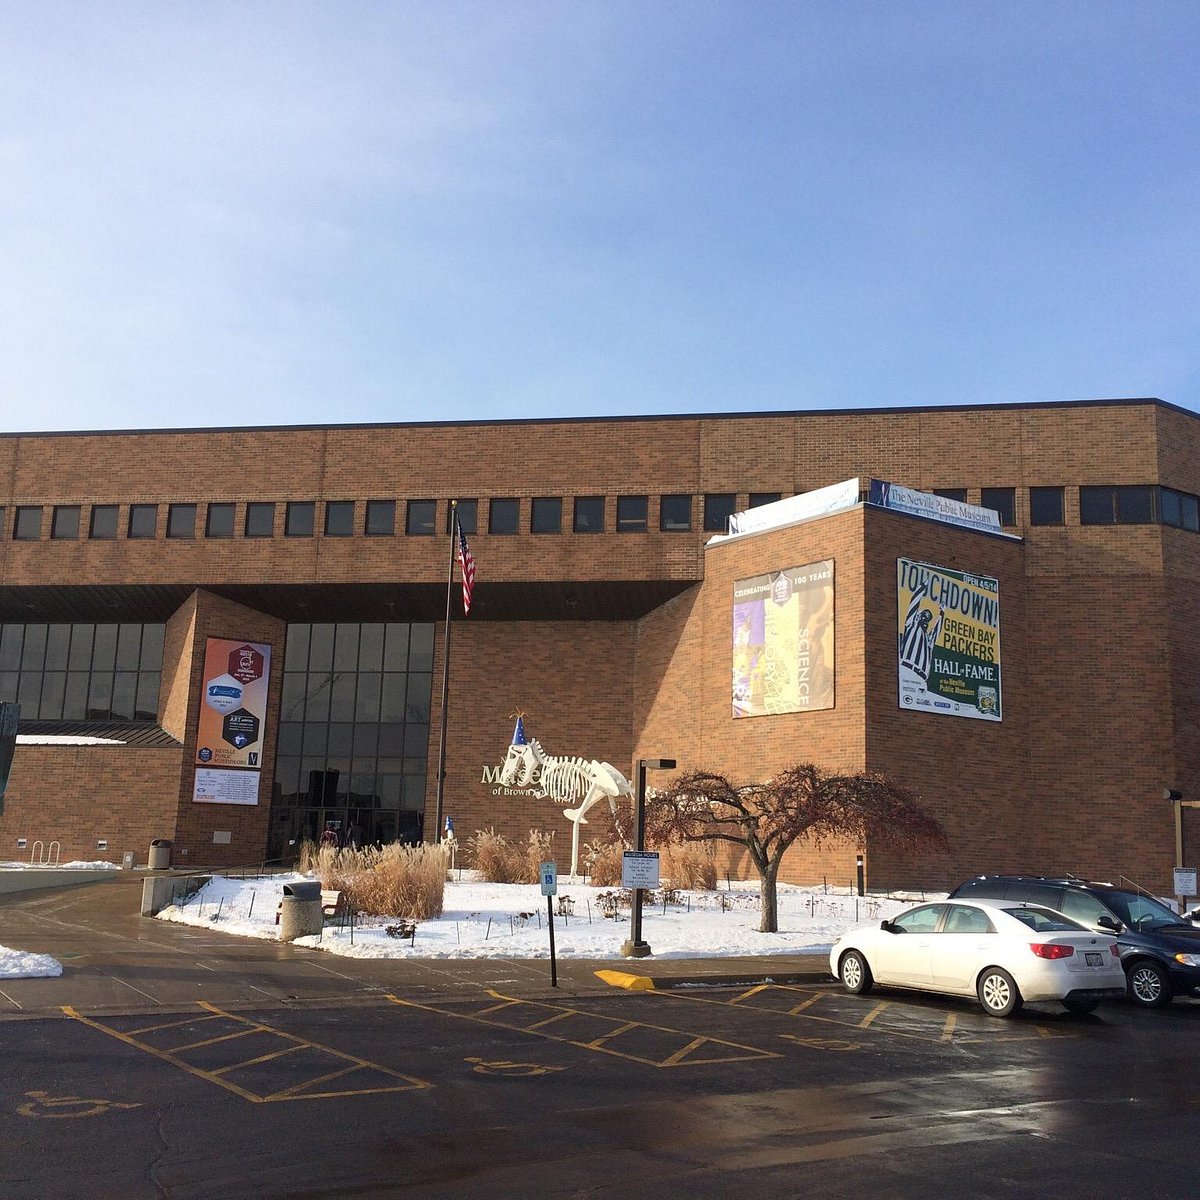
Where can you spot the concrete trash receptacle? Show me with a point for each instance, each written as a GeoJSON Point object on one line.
{"type": "Point", "coordinates": [160, 854]}
{"type": "Point", "coordinates": [300, 916]}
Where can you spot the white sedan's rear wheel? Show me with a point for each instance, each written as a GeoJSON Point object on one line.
{"type": "Point", "coordinates": [998, 993]}
{"type": "Point", "coordinates": [855, 974]}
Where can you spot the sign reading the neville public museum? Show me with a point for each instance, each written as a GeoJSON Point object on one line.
{"type": "Point", "coordinates": [949, 641]}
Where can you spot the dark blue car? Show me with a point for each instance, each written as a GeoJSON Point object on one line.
{"type": "Point", "coordinates": [1160, 950]}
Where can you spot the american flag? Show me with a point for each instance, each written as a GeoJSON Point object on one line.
{"type": "Point", "coordinates": [466, 562]}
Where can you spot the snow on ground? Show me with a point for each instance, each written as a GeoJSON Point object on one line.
{"type": "Point", "coordinates": [491, 920]}
{"type": "Point", "coordinates": [67, 866]}
{"type": "Point", "coordinates": [17, 964]}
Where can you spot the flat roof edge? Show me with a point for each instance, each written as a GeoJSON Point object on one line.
{"type": "Point", "coordinates": [643, 418]}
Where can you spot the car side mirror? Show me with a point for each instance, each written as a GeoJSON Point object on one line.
{"type": "Point", "coordinates": [1109, 923]}
{"type": "Point", "coordinates": [1194, 915]}
{"type": "Point", "coordinates": [887, 926]}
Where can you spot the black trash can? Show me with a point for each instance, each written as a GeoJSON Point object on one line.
{"type": "Point", "coordinates": [160, 854]}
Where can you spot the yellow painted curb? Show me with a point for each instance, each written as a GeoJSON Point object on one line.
{"type": "Point", "coordinates": [631, 983]}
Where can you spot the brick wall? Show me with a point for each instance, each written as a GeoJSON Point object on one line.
{"type": "Point", "coordinates": [78, 795]}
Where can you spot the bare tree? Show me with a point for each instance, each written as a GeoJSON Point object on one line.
{"type": "Point", "coordinates": [800, 802]}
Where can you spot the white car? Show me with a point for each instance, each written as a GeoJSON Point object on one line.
{"type": "Point", "coordinates": [1002, 953]}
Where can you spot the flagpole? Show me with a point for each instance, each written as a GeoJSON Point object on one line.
{"type": "Point", "coordinates": [441, 764]}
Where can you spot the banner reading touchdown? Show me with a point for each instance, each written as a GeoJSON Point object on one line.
{"type": "Point", "coordinates": [949, 641]}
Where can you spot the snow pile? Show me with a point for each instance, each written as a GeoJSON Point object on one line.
{"type": "Point", "coordinates": [493, 920]}
{"type": "Point", "coordinates": [67, 866]}
{"type": "Point", "coordinates": [17, 964]}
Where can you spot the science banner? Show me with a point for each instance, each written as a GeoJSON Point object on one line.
{"type": "Point", "coordinates": [949, 641]}
{"type": "Point", "coordinates": [783, 641]}
{"type": "Point", "coordinates": [233, 704]}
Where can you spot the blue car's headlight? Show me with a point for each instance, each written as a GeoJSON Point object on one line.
{"type": "Point", "coordinates": [1188, 960]}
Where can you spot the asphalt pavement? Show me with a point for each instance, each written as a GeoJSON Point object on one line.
{"type": "Point", "coordinates": [116, 960]}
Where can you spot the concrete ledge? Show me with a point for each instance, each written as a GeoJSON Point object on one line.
{"type": "Point", "coordinates": [49, 877]}
{"type": "Point", "coordinates": [160, 890]}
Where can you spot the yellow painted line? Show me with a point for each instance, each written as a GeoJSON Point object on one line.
{"type": "Point", "coordinates": [675, 1059]}
{"type": "Point", "coordinates": [169, 1025]}
{"type": "Point", "coordinates": [329, 1077]}
{"type": "Point", "coordinates": [948, 1028]}
{"type": "Point", "coordinates": [170, 1058]}
{"type": "Point", "coordinates": [562, 1016]}
{"type": "Point", "coordinates": [250, 1062]}
{"type": "Point", "coordinates": [623, 979]}
{"type": "Point", "coordinates": [960, 1037]}
{"type": "Point", "coordinates": [596, 1043]}
{"type": "Point", "coordinates": [758, 987]}
{"type": "Point", "coordinates": [791, 1012]}
{"type": "Point", "coordinates": [882, 1006]}
{"type": "Point", "coordinates": [225, 1037]}
{"type": "Point", "coordinates": [410, 1082]}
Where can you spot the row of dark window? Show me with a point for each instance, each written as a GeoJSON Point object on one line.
{"type": "Point", "coordinates": [588, 514]}
{"type": "Point", "coordinates": [82, 671]}
{"type": "Point", "coordinates": [1103, 505]}
{"type": "Point", "coordinates": [1129, 504]}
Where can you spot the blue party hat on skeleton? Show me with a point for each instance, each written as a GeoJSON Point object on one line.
{"type": "Point", "coordinates": [519, 732]}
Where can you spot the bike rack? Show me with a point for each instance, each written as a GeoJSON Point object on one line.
{"type": "Point", "coordinates": [41, 855]}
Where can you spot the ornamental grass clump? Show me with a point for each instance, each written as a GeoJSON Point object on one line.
{"type": "Point", "coordinates": [402, 881]}
{"type": "Point", "coordinates": [500, 861]}
{"type": "Point", "coordinates": [602, 861]}
{"type": "Point", "coordinates": [395, 881]}
{"type": "Point", "coordinates": [692, 866]}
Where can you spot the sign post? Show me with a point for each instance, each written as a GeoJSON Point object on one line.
{"type": "Point", "coordinates": [635, 947]}
{"type": "Point", "coordinates": [548, 873]}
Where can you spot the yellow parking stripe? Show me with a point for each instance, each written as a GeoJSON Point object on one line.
{"type": "Point", "coordinates": [295, 1092]}
{"type": "Point", "coordinates": [685, 1055]}
{"type": "Point", "coordinates": [882, 1006]}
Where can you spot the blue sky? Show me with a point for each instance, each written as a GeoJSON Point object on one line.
{"type": "Point", "coordinates": [279, 213]}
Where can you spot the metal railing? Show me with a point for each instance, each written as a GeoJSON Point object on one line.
{"type": "Point", "coordinates": [42, 855]}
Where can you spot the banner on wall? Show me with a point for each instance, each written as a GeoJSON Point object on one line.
{"type": "Point", "coordinates": [948, 641]}
{"type": "Point", "coordinates": [233, 704]}
{"type": "Point", "coordinates": [783, 641]}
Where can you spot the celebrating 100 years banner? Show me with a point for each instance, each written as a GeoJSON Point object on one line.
{"type": "Point", "coordinates": [783, 641]}
{"type": "Point", "coordinates": [949, 641]}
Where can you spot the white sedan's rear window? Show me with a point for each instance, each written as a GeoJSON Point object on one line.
{"type": "Point", "coordinates": [1042, 920]}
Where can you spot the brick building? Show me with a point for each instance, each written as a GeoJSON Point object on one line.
{"type": "Point", "coordinates": [135, 567]}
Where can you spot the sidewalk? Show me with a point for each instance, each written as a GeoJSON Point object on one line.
{"type": "Point", "coordinates": [115, 960]}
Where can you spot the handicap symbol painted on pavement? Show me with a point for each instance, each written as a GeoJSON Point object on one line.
{"type": "Point", "coordinates": [42, 1104]}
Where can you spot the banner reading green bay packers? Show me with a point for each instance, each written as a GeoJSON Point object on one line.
{"type": "Point", "coordinates": [949, 639]}
{"type": "Point", "coordinates": [783, 641]}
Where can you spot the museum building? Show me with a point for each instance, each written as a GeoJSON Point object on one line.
{"type": "Point", "coordinates": [232, 639]}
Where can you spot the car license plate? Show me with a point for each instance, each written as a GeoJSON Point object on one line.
{"type": "Point", "coordinates": [1093, 959]}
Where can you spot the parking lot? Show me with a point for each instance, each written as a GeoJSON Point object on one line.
{"type": "Point", "coordinates": [177, 1062]}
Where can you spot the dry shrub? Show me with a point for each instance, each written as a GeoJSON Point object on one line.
{"type": "Point", "coordinates": [691, 865]}
{"type": "Point", "coordinates": [403, 881]}
{"type": "Point", "coordinates": [397, 881]}
{"type": "Point", "coordinates": [603, 863]}
{"type": "Point", "coordinates": [498, 861]}
{"type": "Point", "coordinates": [306, 861]}
{"type": "Point", "coordinates": [495, 858]}
{"type": "Point", "coordinates": [539, 848]}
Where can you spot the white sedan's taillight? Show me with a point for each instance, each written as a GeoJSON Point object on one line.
{"type": "Point", "coordinates": [1051, 949]}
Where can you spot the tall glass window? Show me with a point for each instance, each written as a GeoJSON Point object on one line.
{"type": "Point", "coordinates": [353, 732]}
{"type": "Point", "coordinates": [82, 672]}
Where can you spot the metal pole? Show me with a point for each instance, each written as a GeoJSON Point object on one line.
{"type": "Point", "coordinates": [858, 864]}
{"type": "Point", "coordinates": [441, 765]}
{"type": "Point", "coordinates": [639, 844]}
{"type": "Point", "coordinates": [553, 960]}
